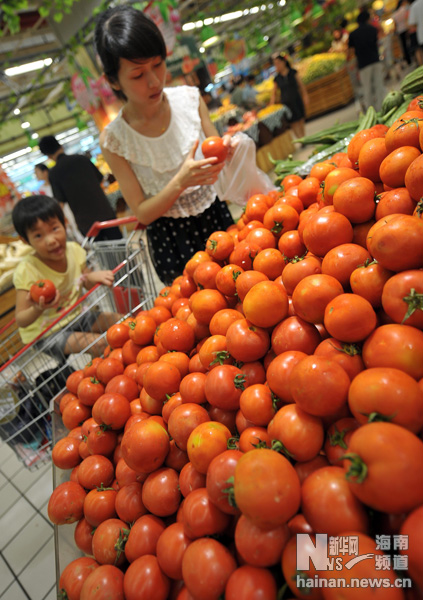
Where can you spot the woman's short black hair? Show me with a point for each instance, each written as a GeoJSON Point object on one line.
{"type": "Point", "coordinates": [284, 58]}
{"type": "Point", "coordinates": [27, 211]}
{"type": "Point", "coordinates": [125, 32]}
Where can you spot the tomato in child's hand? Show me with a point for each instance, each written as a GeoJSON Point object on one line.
{"type": "Point", "coordinates": [214, 146]}
{"type": "Point", "coordinates": [43, 287]}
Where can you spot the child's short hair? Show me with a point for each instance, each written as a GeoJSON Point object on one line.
{"type": "Point", "coordinates": [28, 210]}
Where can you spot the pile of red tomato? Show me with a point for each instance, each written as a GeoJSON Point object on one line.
{"type": "Point", "coordinates": [275, 388]}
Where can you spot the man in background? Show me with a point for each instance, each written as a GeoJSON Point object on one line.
{"type": "Point", "coordinates": [364, 41]}
{"type": "Point", "coordinates": [76, 181]}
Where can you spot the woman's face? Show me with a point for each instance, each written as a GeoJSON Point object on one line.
{"type": "Point", "coordinates": [280, 65]}
{"type": "Point", "coordinates": [142, 81]}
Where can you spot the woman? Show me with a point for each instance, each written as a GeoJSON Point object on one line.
{"type": "Point", "coordinates": [152, 146]}
{"type": "Point", "coordinates": [292, 91]}
{"type": "Point", "coordinates": [400, 17]}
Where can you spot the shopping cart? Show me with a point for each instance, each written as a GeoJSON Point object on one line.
{"type": "Point", "coordinates": [33, 375]}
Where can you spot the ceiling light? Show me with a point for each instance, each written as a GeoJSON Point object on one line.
{"type": "Point", "coordinates": [15, 154]}
{"type": "Point", "coordinates": [25, 125]}
{"type": "Point", "coordinates": [208, 21]}
{"type": "Point", "coordinates": [246, 12]}
{"type": "Point", "coordinates": [16, 111]}
{"type": "Point", "coordinates": [35, 136]}
{"type": "Point", "coordinates": [210, 41]}
{"type": "Point", "coordinates": [233, 15]}
{"type": "Point", "coordinates": [254, 10]}
{"type": "Point", "coordinates": [202, 49]}
{"type": "Point", "coordinates": [188, 26]}
{"type": "Point", "coordinates": [199, 23]}
{"type": "Point", "coordinates": [26, 68]}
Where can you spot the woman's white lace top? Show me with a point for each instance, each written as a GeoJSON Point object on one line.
{"type": "Point", "coordinates": [155, 160]}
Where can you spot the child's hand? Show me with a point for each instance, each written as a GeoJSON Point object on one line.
{"type": "Point", "coordinates": [103, 277]}
{"type": "Point", "coordinates": [42, 305]}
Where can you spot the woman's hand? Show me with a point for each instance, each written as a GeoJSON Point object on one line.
{"type": "Point", "coordinates": [198, 172]}
{"type": "Point", "coordinates": [231, 143]}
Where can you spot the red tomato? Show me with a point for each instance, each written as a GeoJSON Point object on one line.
{"type": "Point", "coordinates": [117, 335]}
{"type": "Point", "coordinates": [319, 385]}
{"type": "Point", "coordinates": [355, 199]}
{"type": "Point", "coordinates": [190, 479]}
{"type": "Point", "coordinates": [397, 346]}
{"type": "Point", "coordinates": [257, 404]}
{"type": "Point", "coordinates": [109, 368]}
{"type": "Point", "coordinates": [402, 298]}
{"type": "Point", "coordinates": [206, 568]}
{"type": "Point", "coordinates": [192, 388]}
{"type": "Point", "coordinates": [143, 537]}
{"type": "Point", "coordinates": [279, 372]}
{"type": "Point", "coordinates": [300, 433]}
{"type": "Point", "coordinates": [349, 318]}
{"type": "Point", "coordinates": [266, 487]}
{"type": "Point", "coordinates": [160, 492]}
{"type": "Point", "coordinates": [346, 355]}
{"type": "Point", "coordinates": [265, 304]}
{"type": "Point", "coordinates": [413, 176]}
{"type": "Point", "coordinates": [387, 394]}
{"type": "Point", "coordinates": [248, 582]}
{"type": "Point", "coordinates": [246, 342]}
{"type": "Point", "coordinates": [337, 439]}
{"type": "Point", "coordinates": [397, 201]}
{"type": "Point", "coordinates": [95, 471]}
{"type": "Point", "coordinates": [329, 505]}
{"type": "Point", "coordinates": [221, 468]}
{"type": "Point", "coordinates": [109, 542]}
{"type": "Point", "coordinates": [105, 581]}
{"type": "Point", "coordinates": [177, 335]}
{"type": "Point", "coordinates": [184, 419]}
{"type": "Point", "coordinates": [368, 280]}
{"type": "Point", "coordinates": [112, 410]}
{"type": "Point", "coordinates": [65, 454]}
{"type": "Point", "coordinates": [395, 166]}
{"type": "Point", "coordinates": [383, 467]}
{"type": "Point", "coordinates": [259, 547]}
{"type": "Point", "coordinates": [145, 446]}
{"type": "Point", "coordinates": [213, 146]}
{"type": "Point", "coordinates": [294, 333]}
{"type": "Point", "coordinates": [205, 442]}
{"type": "Point", "coordinates": [412, 527]}
{"type": "Point", "coordinates": [74, 575]}
{"type": "Point", "coordinates": [372, 153]}
{"type": "Point", "coordinates": [83, 536]}
{"type": "Point", "coordinates": [129, 505]}
{"type": "Point", "coordinates": [123, 385]}
{"type": "Point", "coordinates": [74, 414]}
{"type": "Point", "coordinates": [312, 294]}
{"type": "Point", "coordinates": [201, 517]}
{"type": "Point", "coordinates": [66, 504]}
{"type": "Point", "coordinates": [171, 546]}
{"type": "Point", "coordinates": [89, 390]}
{"type": "Point", "coordinates": [397, 243]}
{"type": "Point", "coordinates": [99, 505]}
{"type": "Point", "coordinates": [144, 580]}
{"type": "Point", "coordinates": [324, 231]}
{"type": "Point", "coordinates": [43, 288]}
{"type": "Point", "coordinates": [219, 245]}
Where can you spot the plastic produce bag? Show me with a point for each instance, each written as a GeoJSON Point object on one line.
{"type": "Point", "coordinates": [240, 178]}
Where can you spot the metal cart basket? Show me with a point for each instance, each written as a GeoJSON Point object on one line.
{"type": "Point", "coordinates": [33, 375]}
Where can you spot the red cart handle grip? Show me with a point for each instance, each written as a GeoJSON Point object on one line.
{"type": "Point", "coordinates": [98, 226]}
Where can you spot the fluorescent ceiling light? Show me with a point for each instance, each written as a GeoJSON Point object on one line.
{"type": "Point", "coordinates": [188, 26]}
{"type": "Point", "coordinates": [213, 40]}
{"type": "Point", "coordinates": [233, 15]}
{"type": "Point", "coordinates": [202, 49]}
{"type": "Point", "coordinates": [199, 23]}
{"type": "Point", "coordinates": [35, 136]}
{"type": "Point", "coordinates": [208, 21]}
{"type": "Point", "coordinates": [62, 135]}
{"type": "Point", "coordinates": [16, 111]}
{"type": "Point", "coordinates": [25, 125]}
{"type": "Point", "coordinates": [254, 10]}
{"type": "Point", "coordinates": [15, 154]}
{"type": "Point", "coordinates": [26, 68]}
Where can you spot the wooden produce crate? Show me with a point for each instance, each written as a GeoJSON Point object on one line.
{"type": "Point", "coordinates": [280, 147]}
{"type": "Point", "coordinates": [329, 92]}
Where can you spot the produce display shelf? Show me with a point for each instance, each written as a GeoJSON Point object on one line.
{"type": "Point", "coordinates": [329, 92]}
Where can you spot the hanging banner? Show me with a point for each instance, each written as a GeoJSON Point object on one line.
{"type": "Point", "coordinates": [167, 29]}
{"type": "Point", "coordinates": [84, 94]}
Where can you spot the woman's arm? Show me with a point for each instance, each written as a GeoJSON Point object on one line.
{"type": "Point", "coordinates": [192, 172]}
{"type": "Point", "coordinates": [273, 94]}
{"type": "Point", "coordinates": [302, 89]}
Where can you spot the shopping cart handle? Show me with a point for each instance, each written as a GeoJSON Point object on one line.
{"type": "Point", "coordinates": [98, 226]}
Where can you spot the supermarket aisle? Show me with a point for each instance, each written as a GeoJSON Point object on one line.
{"type": "Point", "coordinates": [27, 562]}
{"type": "Point", "coordinates": [27, 567]}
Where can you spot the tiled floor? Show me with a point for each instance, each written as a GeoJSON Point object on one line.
{"type": "Point", "coordinates": [27, 556]}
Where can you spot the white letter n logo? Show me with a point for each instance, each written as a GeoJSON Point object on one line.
{"type": "Point", "coordinates": [318, 553]}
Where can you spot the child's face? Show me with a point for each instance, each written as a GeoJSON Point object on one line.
{"type": "Point", "coordinates": [142, 82]}
{"type": "Point", "coordinates": [48, 238]}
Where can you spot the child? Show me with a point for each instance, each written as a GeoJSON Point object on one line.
{"type": "Point", "coordinates": [40, 222]}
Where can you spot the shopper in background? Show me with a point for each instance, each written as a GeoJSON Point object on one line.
{"type": "Point", "coordinates": [249, 96]}
{"type": "Point", "coordinates": [364, 42]}
{"type": "Point", "coordinates": [400, 17]}
{"type": "Point", "coordinates": [292, 92]}
{"type": "Point", "coordinates": [76, 181]}
{"type": "Point", "coordinates": [153, 145]}
{"type": "Point", "coordinates": [39, 221]}
{"type": "Point", "coordinates": [415, 24]}
{"type": "Point", "coordinates": [238, 92]}
{"type": "Point", "coordinates": [339, 42]}
{"type": "Point", "coordinates": [42, 174]}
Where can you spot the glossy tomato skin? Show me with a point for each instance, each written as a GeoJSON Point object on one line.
{"type": "Point", "coordinates": [224, 386]}
{"type": "Point", "coordinates": [105, 582]}
{"type": "Point", "coordinates": [109, 542]}
{"type": "Point", "coordinates": [259, 547]}
{"type": "Point", "coordinates": [66, 504]}
{"type": "Point", "coordinates": [43, 288]}
{"type": "Point", "coordinates": [389, 394]}
{"type": "Point", "coordinates": [83, 536]}
{"type": "Point", "coordinates": [206, 441]}
{"type": "Point", "coordinates": [221, 468]}
{"type": "Point", "coordinates": [399, 300]}
{"type": "Point", "coordinates": [65, 453]}
{"type": "Point", "coordinates": [99, 505]}
{"type": "Point", "coordinates": [329, 505]}
{"type": "Point", "coordinates": [201, 517]}
{"type": "Point", "coordinates": [397, 243]}
{"type": "Point", "coordinates": [397, 346]}
{"type": "Point", "coordinates": [143, 537]}
{"type": "Point", "coordinates": [300, 433]}
{"type": "Point", "coordinates": [145, 446]}
{"type": "Point", "coordinates": [214, 146]}
{"type": "Point", "coordinates": [266, 487]}
{"type": "Point", "coordinates": [384, 467]}
{"type": "Point", "coordinates": [183, 420]}
{"type": "Point", "coordinates": [246, 342]}
{"type": "Point", "coordinates": [73, 576]}
{"type": "Point", "coordinates": [290, 571]}
{"type": "Point", "coordinates": [160, 492]}
{"type": "Point", "coordinates": [144, 580]}
{"type": "Point", "coordinates": [206, 568]}
{"type": "Point", "coordinates": [247, 582]}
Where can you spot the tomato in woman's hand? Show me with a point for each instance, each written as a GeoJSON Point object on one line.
{"type": "Point", "coordinates": [42, 288]}
{"type": "Point", "coordinates": [213, 146]}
